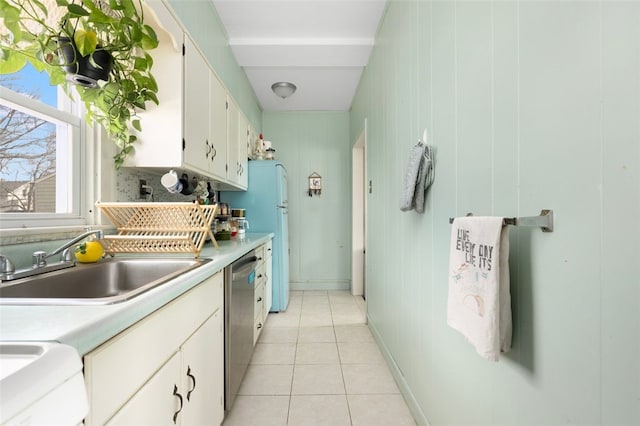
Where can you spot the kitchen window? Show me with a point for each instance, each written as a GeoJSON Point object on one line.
{"type": "Point", "coordinates": [40, 152]}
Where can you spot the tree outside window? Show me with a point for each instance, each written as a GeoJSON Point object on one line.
{"type": "Point", "coordinates": [32, 147]}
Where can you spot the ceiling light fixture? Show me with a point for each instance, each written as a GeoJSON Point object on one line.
{"type": "Point", "coordinates": [284, 89]}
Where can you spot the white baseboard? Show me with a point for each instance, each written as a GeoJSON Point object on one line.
{"type": "Point", "coordinates": [408, 396]}
{"type": "Point", "coordinates": [319, 285]}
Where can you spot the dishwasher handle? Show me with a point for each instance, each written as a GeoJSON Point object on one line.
{"type": "Point", "coordinates": [244, 268]}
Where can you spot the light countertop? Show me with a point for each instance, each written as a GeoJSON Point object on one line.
{"type": "Point", "coordinates": [86, 327]}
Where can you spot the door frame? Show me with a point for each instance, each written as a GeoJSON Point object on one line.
{"type": "Point", "coordinates": [358, 214]}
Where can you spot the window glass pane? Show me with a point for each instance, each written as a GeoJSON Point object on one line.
{"type": "Point", "coordinates": [29, 147]}
{"type": "Point", "coordinates": [36, 161]}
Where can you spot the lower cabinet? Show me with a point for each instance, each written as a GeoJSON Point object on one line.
{"type": "Point", "coordinates": [262, 292]}
{"type": "Point", "coordinates": [167, 369]}
{"type": "Point", "coordinates": [185, 389]}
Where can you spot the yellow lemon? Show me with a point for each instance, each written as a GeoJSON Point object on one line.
{"type": "Point", "coordinates": [89, 252]}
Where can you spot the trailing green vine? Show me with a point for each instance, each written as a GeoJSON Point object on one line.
{"type": "Point", "coordinates": [116, 27]}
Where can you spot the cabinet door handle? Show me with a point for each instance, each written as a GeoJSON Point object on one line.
{"type": "Point", "coordinates": [175, 392]}
{"type": "Point", "coordinates": [259, 299]}
{"type": "Point", "coordinates": [208, 148]}
{"type": "Point", "coordinates": [193, 379]}
{"type": "Point", "coordinates": [259, 326]}
{"type": "Point", "coordinates": [215, 152]}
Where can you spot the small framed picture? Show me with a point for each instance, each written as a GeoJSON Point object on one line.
{"type": "Point", "coordinates": [315, 184]}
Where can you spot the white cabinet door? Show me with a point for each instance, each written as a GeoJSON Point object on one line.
{"type": "Point", "coordinates": [202, 369]}
{"type": "Point", "coordinates": [217, 128]}
{"type": "Point", "coordinates": [243, 152]}
{"type": "Point", "coordinates": [196, 109]}
{"type": "Point", "coordinates": [159, 402]}
{"type": "Point", "coordinates": [233, 123]}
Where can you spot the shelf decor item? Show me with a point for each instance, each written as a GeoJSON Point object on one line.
{"type": "Point", "coordinates": [159, 227]}
{"type": "Point", "coordinates": [99, 47]}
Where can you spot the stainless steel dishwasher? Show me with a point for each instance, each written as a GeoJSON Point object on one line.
{"type": "Point", "coordinates": [238, 333]}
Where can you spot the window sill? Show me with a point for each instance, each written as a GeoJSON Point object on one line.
{"type": "Point", "coordinates": [13, 236]}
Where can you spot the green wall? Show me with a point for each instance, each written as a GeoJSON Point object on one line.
{"type": "Point", "coordinates": [203, 23]}
{"type": "Point", "coordinates": [319, 226]}
{"type": "Point", "coordinates": [530, 105]}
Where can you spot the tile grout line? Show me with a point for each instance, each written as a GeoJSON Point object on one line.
{"type": "Point", "coordinates": [344, 381]}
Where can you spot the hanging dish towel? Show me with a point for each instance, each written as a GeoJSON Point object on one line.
{"type": "Point", "coordinates": [418, 177]}
{"type": "Point", "coordinates": [479, 301]}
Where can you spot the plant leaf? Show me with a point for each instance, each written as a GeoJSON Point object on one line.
{"type": "Point", "coordinates": [11, 62]}
{"type": "Point", "coordinates": [149, 38]}
{"type": "Point", "coordinates": [152, 97]}
{"type": "Point", "coordinates": [75, 11]}
{"type": "Point", "coordinates": [40, 6]}
{"type": "Point", "coordinates": [86, 41]}
{"type": "Point", "coordinates": [128, 8]}
{"type": "Point", "coordinates": [57, 76]}
{"type": "Point", "coordinates": [115, 5]}
{"type": "Point", "coordinates": [90, 5]}
{"type": "Point", "coordinates": [136, 125]}
{"type": "Point", "coordinates": [100, 17]}
{"type": "Point", "coordinates": [11, 18]}
{"type": "Point", "coordinates": [140, 64]}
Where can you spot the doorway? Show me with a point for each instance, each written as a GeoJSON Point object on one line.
{"type": "Point", "coordinates": [359, 215]}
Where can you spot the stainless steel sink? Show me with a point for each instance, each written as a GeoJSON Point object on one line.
{"type": "Point", "coordinates": [109, 281]}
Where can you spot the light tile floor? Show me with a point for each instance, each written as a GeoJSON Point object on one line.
{"type": "Point", "coordinates": [318, 364]}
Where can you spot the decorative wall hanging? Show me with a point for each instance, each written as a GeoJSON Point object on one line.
{"type": "Point", "coordinates": [315, 184]}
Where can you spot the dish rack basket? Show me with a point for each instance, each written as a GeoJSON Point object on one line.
{"type": "Point", "coordinates": [159, 227]}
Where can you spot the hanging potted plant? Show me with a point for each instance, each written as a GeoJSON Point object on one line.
{"type": "Point", "coordinates": [101, 48]}
{"type": "Point", "coordinates": [87, 70]}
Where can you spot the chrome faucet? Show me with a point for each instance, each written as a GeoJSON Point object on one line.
{"type": "Point", "coordinates": [6, 265]}
{"type": "Point", "coordinates": [40, 266]}
{"type": "Point", "coordinates": [40, 257]}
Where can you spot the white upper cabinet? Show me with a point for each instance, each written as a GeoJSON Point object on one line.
{"type": "Point", "coordinates": [197, 127]}
{"type": "Point", "coordinates": [160, 142]}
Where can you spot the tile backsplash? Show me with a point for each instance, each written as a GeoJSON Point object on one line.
{"type": "Point", "coordinates": [127, 187]}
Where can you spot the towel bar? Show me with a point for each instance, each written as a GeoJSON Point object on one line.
{"type": "Point", "coordinates": [544, 220]}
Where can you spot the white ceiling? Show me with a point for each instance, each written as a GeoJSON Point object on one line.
{"type": "Point", "coordinates": [321, 46]}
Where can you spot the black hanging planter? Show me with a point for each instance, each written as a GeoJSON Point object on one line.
{"type": "Point", "coordinates": [80, 69]}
